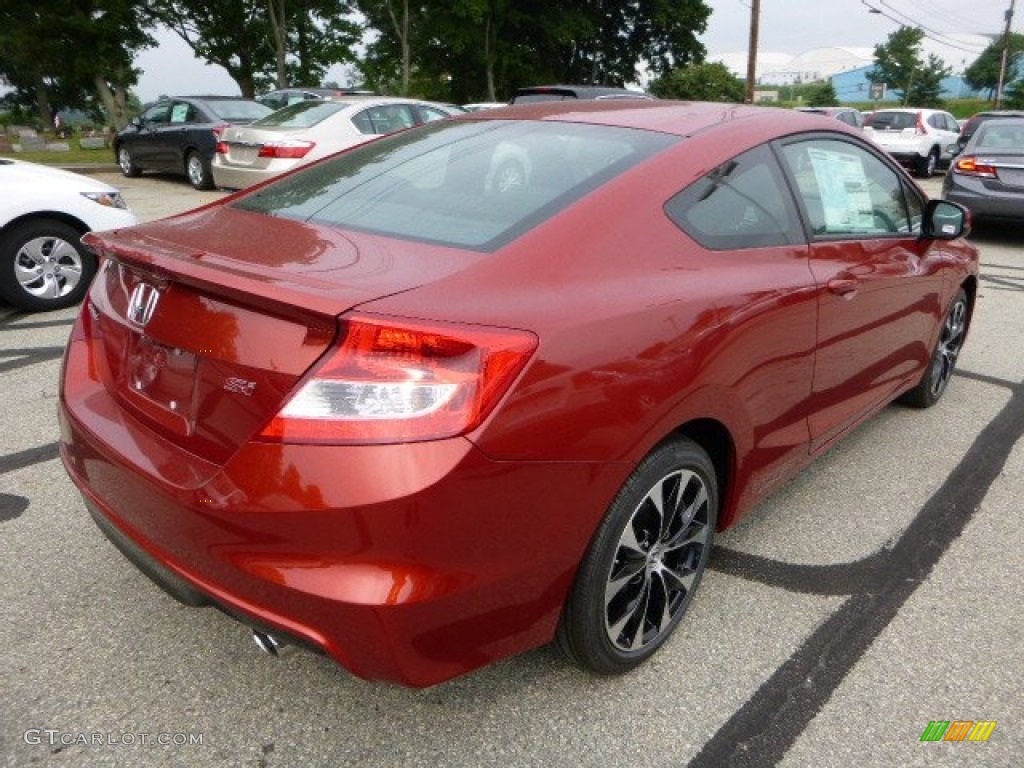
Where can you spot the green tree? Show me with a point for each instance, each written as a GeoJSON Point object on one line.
{"type": "Point", "coordinates": [700, 82]}
{"type": "Point", "coordinates": [486, 48]}
{"type": "Point", "coordinates": [899, 64]}
{"type": "Point", "coordinates": [983, 74]}
{"type": "Point", "coordinates": [823, 95]}
{"type": "Point", "coordinates": [1014, 96]}
{"type": "Point", "coordinates": [264, 44]}
{"type": "Point", "coordinates": [926, 88]}
{"type": "Point", "coordinates": [66, 53]}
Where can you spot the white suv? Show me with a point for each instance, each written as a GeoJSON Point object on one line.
{"type": "Point", "coordinates": [917, 138]}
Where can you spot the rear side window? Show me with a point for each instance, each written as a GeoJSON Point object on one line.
{"type": "Point", "coordinates": [743, 203]}
{"type": "Point", "coordinates": [470, 184]}
{"type": "Point", "coordinates": [385, 118]}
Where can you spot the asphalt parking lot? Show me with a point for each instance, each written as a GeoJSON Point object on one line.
{"type": "Point", "coordinates": [877, 592]}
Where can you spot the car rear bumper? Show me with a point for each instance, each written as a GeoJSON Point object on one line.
{"type": "Point", "coordinates": [238, 177]}
{"type": "Point", "coordinates": [985, 203]}
{"type": "Point", "coordinates": [409, 563]}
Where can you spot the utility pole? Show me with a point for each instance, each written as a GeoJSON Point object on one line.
{"type": "Point", "coordinates": [1006, 55]}
{"type": "Point", "coordinates": [755, 21]}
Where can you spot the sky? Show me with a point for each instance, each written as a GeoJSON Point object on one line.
{"type": "Point", "coordinates": [787, 26]}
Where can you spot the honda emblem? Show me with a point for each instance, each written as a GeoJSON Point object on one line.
{"type": "Point", "coordinates": [142, 304]}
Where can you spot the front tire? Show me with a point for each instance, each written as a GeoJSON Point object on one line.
{"type": "Point", "coordinates": [940, 369]}
{"type": "Point", "coordinates": [44, 266]}
{"type": "Point", "coordinates": [127, 163]}
{"type": "Point", "coordinates": [644, 563]}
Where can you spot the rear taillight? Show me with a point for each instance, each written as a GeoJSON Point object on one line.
{"type": "Point", "coordinates": [286, 148]}
{"type": "Point", "coordinates": [222, 147]}
{"type": "Point", "coordinates": [403, 381]}
{"type": "Point", "coordinates": [219, 129]}
{"type": "Point", "coordinates": [970, 166]}
{"type": "Point", "coordinates": [919, 128]}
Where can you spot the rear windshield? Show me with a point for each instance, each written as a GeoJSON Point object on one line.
{"type": "Point", "coordinates": [526, 98]}
{"type": "Point", "coordinates": [301, 114]}
{"type": "Point", "coordinates": [1001, 137]}
{"type": "Point", "coordinates": [235, 111]}
{"type": "Point", "coordinates": [469, 184]}
{"type": "Point", "coordinates": [894, 121]}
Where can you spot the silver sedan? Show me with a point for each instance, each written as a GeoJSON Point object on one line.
{"type": "Point", "coordinates": [309, 130]}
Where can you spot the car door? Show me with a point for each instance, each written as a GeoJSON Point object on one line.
{"type": "Point", "coordinates": [877, 287]}
{"type": "Point", "coordinates": [184, 118]}
{"type": "Point", "coordinates": [756, 281]}
{"type": "Point", "coordinates": [144, 143]}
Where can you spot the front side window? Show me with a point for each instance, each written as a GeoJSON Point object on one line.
{"type": "Point", "coordinates": [158, 113]}
{"type": "Point", "coordinates": [743, 203]}
{"type": "Point", "coordinates": [847, 191]}
{"type": "Point", "coordinates": [469, 184]}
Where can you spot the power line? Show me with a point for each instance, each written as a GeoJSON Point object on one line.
{"type": "Point", "coordinates": [951, 17]}
{"type": "Point", "coordinates": [934, 36]}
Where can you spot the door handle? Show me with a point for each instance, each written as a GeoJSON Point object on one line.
{"type": "Point", "coordinates": [843, 286]}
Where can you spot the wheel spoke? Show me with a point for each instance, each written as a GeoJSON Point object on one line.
{"type": "Point", "coordinates": [668, 497]}
{"type": "Point", "coordinates": [659, 607]}
{"type": "Point", "coordinates": [617, 583]}
{"type": "Point", "coordinates": [627, 629]}
{"type": "Point", "coordinates": [693, 506]}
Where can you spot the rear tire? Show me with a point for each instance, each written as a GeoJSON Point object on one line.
{"type": "Point", "coordinates": [644, 563]}
{"type": "Point", "coordinates": [928, 165]}
{"type": "Point", "coordinates": [198, 171]}
{"type": "Point", "coordinates": [44, 266]}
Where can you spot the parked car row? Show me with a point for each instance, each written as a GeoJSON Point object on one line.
{"type": "Point", "coordinates": [179, 135]}
{"type": "Point", "coordinates": [309, 130]}
{"type": "Point", "coordinates": [202, 137]}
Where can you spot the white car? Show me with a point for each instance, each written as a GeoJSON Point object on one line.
{"type": "Point", "coordinates": [44, 212]}
{"type": "Point", "coordinates": [309, 130]}
{"type": "Point", "coordinates": [917, 138]}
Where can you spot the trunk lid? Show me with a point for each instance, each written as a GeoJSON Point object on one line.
{"type": "Point", "coordinates": [200, 325]}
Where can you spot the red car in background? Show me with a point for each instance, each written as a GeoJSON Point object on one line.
{"type": "Point", "coordinates": [393, 408]}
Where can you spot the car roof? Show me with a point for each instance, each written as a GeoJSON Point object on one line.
{"type": "Point", "coordinates": [679, 118]}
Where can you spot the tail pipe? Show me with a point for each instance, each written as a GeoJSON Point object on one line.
{"type": "Point", "coordinates": [270, 645]}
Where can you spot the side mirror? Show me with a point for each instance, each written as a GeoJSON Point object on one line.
{"type": "Point", "coordinates": [955, 149]}
{"type": "Point", "coordinates": [944, 220]}
{"type": "Point", "coordinates": [136, 122]}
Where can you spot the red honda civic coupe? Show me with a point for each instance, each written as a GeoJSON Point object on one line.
{"type": "Point", "coordinates": [496, 381]}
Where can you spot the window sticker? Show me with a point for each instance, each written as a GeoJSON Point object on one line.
{"type": "Point", "coordinates": [180, 113]}
{"type": "Point", "coordinates": [843, 185]}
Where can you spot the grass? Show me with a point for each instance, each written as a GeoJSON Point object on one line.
{"type": "Point", "coordinates": [75, 156]}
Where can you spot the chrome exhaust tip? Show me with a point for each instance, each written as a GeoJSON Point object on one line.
{"type": "Point", "coordinates": [269, 644]}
